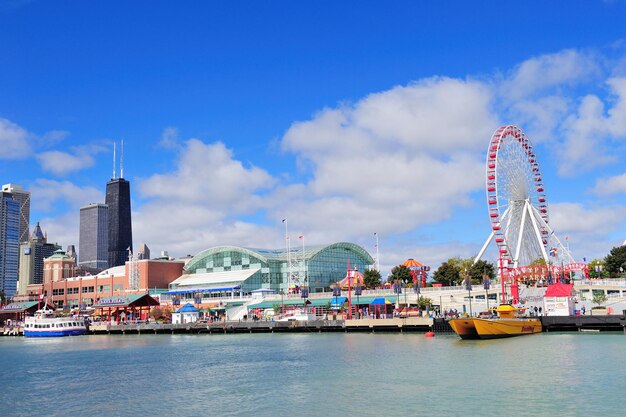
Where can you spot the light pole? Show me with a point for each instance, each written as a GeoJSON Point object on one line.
{"type": "Point", "coordinates": [377, 254]}
{"type": "Point", "coordinates": [336, 293]}
{"type": "Point", "coordinates": [468, 287]}
{"type": "Point", "coordinates": [282, 302]}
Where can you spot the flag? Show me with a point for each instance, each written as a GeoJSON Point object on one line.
{"type": "Point", "coordinates": [584, 259]}
{"type": "Point", "coordinates": [553, 252]}
{"type": "Point", "coordinates": [565, 237]}
{"type": "Point", "coordinates": [284, 220]}
{"type": "Point", "coordinates": [301, 237]}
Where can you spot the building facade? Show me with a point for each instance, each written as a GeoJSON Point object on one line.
{"type": "Point", "coordinates": [9, 243]}
{"type": "Point", "coordinates": [120, 225]}
{"type": "Point", "coordinates": [23, 198]}
{"type": "Point", "coordinates": [32, 254]}
{"type": "Point", "coordinates": [63, 288]}
{"type": "Point", "coordinates": [231, 268]}
{"type": "Point", "coordinates": [93, 240]}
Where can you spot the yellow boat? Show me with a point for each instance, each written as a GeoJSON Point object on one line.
{"type": "Point", "coordinates": [507, 324]}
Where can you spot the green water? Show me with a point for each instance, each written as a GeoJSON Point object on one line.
{"type": "Point", "coordinates": [313, 375]}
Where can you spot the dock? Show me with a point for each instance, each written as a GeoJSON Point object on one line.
{"type": "Point", "coordinates": [413, 324]}
{"type": "Point", "coordinates": [589, 323]}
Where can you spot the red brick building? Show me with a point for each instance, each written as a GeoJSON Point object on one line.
{"type": "Point", "coordinates": [64, 289]}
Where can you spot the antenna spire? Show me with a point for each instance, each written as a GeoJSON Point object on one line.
{"type": "Point", "coordinates": [113, 161]}
{"type": "Point", "coordinates": [122, 160]}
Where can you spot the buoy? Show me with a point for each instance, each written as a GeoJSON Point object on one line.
{"type": "Point", "coordinates": [429, 334]}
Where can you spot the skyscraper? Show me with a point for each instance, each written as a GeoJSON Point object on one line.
{"type": "Point", "coordinates": [23, 197]}
{"type": "Point", "coordinates": [9, 243]}
{"type": "Point", "coordinates": [144, 251]}
{"type": "Point", "coordinates": [32, 254]}
{"type": "Point", "coordinates": [120, 227]}
{"type": "Point", "coordinates": [93, 239]}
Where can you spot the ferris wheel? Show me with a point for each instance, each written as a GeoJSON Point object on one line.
{"type": "Point", "coordinates": [517, 203]}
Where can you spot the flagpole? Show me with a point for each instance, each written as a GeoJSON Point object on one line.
{"type": "Point", "coordinates": [287, 246]}
{"type": "Point", "coordinates": [377, 254]}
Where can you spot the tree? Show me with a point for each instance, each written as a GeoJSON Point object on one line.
{"type": "Point", "coordinates": [539, 261]}
{"type": "Point", "coordinates": [371, 278]}
{"type": "Point", "coordinates": [599, 298]}
{"type": "Point", "coordinates": [615, 260]}
{"type": "Point", "coordinates": [424, 302]}
{"type": "Point", "coordinates": [400, 272]}
{"type": "Point", "coordinates": [447, 274]}
{"type": "Point", "coordinates": [593, 266]}
{"type": "Point", "coordinates": [481, 267]}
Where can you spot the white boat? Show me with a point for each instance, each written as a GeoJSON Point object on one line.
{"type": "Point", "coordinates": [45, 324]}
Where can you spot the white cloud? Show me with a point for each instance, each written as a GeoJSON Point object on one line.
{"type": "Point", "coordinates": [391, 162]}
{"type": "Point", "coordinates": [590, 133]}
{"type": "Point", "coordinates": [208, 174]}
{"type": "Point", "coordinates": [46, 194]}
{"type": "Point", "coordinates": [14, 141]}
{"type": "Point", "coordinates": [189, 209]}
{"type": "Point", "coordinates": [542, 73]}
{"type": "Point", "coordinates": [62, 163]}
{"type": "Point", "coordinates": [575, 218]}
{"type": "Point", "coordinates": [170, 138]}
{"type": "Point", "coordinates": [610, 185]}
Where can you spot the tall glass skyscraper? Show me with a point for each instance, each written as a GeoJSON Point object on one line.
{"type": "Point", "coordinates": [120, 226]}
{"type": "Point", "coordinates": [9, 243]}
{"type": "Point", "coordinates": [93, 239]}
{"type": "Point", "coordinates": [23, 198]}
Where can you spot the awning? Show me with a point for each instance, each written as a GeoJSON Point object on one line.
{"type": "Point", "coordinates": [337, 301]}
{"type": "Point", "coordinates": [18, 307]}
{"type": "Point", "coordinates": [137, 300]}
{"type": "Point", "coordinates": [379, 301]}
{"type": "Point", "coordinates": [203, 290]}
{"type": "Point", "coordinates": [212, 279]}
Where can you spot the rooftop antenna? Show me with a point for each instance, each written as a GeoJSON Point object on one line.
{"type": "Point", "coordinates": [113, 161]}
{"type": "Point", "coordinates": [122, 160]}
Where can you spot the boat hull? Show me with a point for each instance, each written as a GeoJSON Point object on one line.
{"type": "Point", "coordinates": [49, 326]}
{"type": "Point", "coordinates": [60, 333]}
{"type": "Point", "coordinates": [465, 328]}
{"type": "Point", "coordinates": [476, 328]}
{"type": "Point", "coordinates": [499, 328]}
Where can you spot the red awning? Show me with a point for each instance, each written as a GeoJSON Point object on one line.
{"type": "Point", "coordinates": [559, 290]}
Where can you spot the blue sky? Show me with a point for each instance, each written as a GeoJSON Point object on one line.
{"type": "Point", "coordinates": [347, 118]}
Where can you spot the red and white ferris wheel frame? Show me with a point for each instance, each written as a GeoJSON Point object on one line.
{"type": "Point", "coordinates": [494, 203]}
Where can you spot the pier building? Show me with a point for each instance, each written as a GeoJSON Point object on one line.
{"type": "Point", "coordinates": [64, 287]}
{"type": "Point", "coordinates": [231, 270]}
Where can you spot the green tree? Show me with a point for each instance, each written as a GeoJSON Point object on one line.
{"type": "Point", "coordinates": [538, 261]}
{"type": "Point", "coordinates": [599, 298]}
{"type": "Point", "coordinates": [593, 266]}
{"type": "Point", "coordinates": [424, 302]}
{"type": "Point", "coordinates": [615, 260]}
{"type": "Point", "coordinates": [371, 278]}
{"type": "Point", "coordinates": [481, 267]}
{"type": "Point", "coordinates": [400, 272]}
{"type": "Point", "coordinates": [447, 274]}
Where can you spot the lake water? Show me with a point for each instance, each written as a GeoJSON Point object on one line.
{"type": "Point", "coordinates": [334, 374]}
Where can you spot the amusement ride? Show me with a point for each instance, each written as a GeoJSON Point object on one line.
{"type": "Point", "coordinates": [517, 207]}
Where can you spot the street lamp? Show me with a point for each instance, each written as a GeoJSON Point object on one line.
{"type": "Point", "coordinates": [282, 302]}
{"type": "Point", "coordinates": [358, 291]}
{"type": "Point", "coordinates": [468, 287]}
{"type": "Point", "coordinates": [336, 292]}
